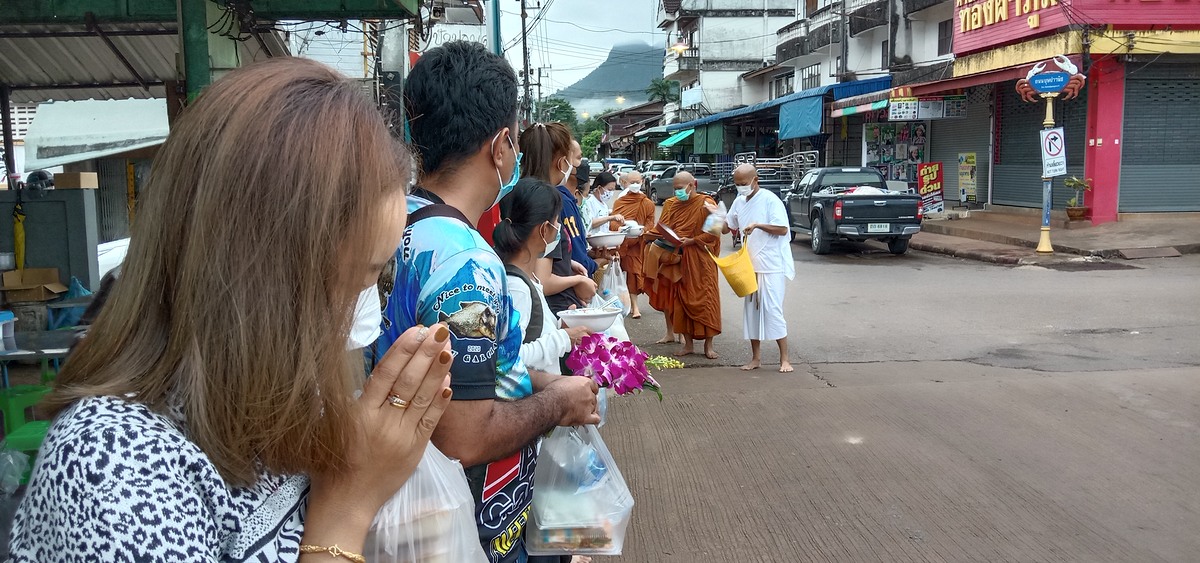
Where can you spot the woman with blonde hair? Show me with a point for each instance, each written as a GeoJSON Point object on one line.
{"type": "Point", "coordinates": [210, 412]}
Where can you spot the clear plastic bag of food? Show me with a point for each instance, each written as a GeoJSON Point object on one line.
{"type": "Point", "coordinates": [581, 504]}
{"type": "Point", "coordinates": [431, 519]}
{"type": "Point", "coordinates": [13, 465]}
{"type": "Point", "coordinates": [613, 285]}
{"type": "Point", "coordinates": [714, 224]}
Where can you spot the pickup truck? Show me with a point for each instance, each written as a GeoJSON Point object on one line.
{"type": "Point", "coordinates": [824, 204]}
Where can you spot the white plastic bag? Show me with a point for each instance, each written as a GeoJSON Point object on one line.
{"type": "Point", "coordinates": [613, 285]}
{"type": "Point", "coordinates": [430, 519]}
{"type": "Point", "coordinates": [581, 504]}
{"type": "Point", "coordinates": [714, 224]}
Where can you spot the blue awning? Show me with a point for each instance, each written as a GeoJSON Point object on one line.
{"type": "Point", "coordinates": [801, 118]}
{"type": "Point", "coordinates": [841, 90]}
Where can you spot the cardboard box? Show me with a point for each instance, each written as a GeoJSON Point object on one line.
{"type": "Point", "coordinates": [77, 181]}
{"type": "Point", "coordinates": [32, 284]}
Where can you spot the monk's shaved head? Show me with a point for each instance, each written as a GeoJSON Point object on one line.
{"type": "Point", "coordinates": [631, 177]}
{"type": "Point", "coordinates": [684, 181]}
{"type": "Point", "coordinates": [744, 174]}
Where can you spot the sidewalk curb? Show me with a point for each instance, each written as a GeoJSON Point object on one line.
{"type": "Point", "coordinates": [939, 228]}
{"type": "Point", "coordinates": [969, 254]}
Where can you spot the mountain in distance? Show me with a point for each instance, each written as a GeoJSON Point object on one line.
{"type": "Point", "coordinates": [627, 72]}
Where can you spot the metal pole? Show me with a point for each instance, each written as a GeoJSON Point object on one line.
{"type": "Point", "coordinates": [526, 112]}
{"type": "Point", "coordinates": [1044, 246]}
{"type": "Point", "coordinates": [193, 29]}
{"type": "Point", "coordinates": [10, 158]}
{"type": "Point", "coordinates": [497, 47]}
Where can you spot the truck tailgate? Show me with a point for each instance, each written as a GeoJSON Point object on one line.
{"type": "Point", "coordinates": [872, 208]}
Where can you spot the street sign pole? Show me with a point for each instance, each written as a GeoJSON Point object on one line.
{"type": "Point", "coordinates": [1044, 246]}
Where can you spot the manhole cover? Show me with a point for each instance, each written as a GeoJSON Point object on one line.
{"type": "Point", "coordinates": [1087, 266]}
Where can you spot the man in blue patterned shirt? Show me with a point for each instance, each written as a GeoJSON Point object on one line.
{"type": "Point", "coordinates": [462, 106]}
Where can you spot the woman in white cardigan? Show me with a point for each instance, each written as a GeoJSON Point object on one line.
{"type": "Point", "coordinates": [527, 231]}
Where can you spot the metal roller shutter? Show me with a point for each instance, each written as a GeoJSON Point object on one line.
{"type": "Point", "coordinates": [847, 151]}
{"type": "Point", "coordinates": [1159, 170]}
{"type": "Point", "coordinates": [112, 200]}
{"type": "Point", "coordinates": [948, 137]}
{"type": "Point", "coordinates": [1017, 179]}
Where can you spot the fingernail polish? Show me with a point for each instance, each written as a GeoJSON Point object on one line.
{"type": "Point", "coordinates": [445, 357]}
{"type": "Point", "coordinates": [446, 393]}
{"type": "Point", "coordinates": [442, 334]}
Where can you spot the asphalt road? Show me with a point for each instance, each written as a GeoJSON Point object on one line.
{"type": "Point", "coordinates": [942, 410]}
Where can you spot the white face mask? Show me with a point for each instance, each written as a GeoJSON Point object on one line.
{"type": "Point", "coordinates": [635, 188]}
{"type": "Point", "coordinates": [567, 173]}
{"type": "Point", "coordinates": [744, 190]}
{"type": "Point", "coordinates": [550, 246]}
{"type": "Point", "coordinates": [368, 320]}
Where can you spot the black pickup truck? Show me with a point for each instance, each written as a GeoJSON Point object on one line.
{"type": "Point", "coordinates": [838, 203]}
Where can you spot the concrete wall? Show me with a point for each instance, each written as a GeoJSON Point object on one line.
{"type": "Point", "coordinates": [739, 38]}
{"type": "Point", "coordinates": [722, 90]}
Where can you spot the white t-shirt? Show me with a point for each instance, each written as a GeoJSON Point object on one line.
{"type": "Point", "coordinates": [769, 253]}
{"type": "Point", "coordinates": [541, 354]}
{"type": "Point", "coordinates": [593, 209]}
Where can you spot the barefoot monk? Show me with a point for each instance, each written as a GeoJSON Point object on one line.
{"type": "Point", "coordinates": [689, 296]}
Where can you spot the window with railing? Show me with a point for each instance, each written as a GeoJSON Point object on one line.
{"type": "Point", "coordinates": [945, 37]}
{"type": "Point", "coordinates": [810, 76]}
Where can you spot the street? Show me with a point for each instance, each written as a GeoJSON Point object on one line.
{"type": "Point", "coordinates": [942, 410]}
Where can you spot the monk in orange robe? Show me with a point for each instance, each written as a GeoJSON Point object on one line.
{"type": "Point", "coordinates": [687, 292]}
{"type": "Point", "coordinates": [634, 206]}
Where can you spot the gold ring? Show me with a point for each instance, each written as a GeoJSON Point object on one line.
{"type": "Point", "coordinates": [397, 402]}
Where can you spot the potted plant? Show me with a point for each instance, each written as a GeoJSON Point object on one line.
{"type": "Point", "coordinates": [1076, 210]}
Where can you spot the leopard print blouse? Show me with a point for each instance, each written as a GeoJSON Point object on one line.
{"type": "Point", "coordinates": [115, 481]}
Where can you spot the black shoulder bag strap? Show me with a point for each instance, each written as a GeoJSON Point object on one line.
{"type": "Point", "coordinates": [534, 331]}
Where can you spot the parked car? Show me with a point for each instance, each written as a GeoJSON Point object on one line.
{"type": "Point", "coordinates": [824, 204]}
{"type": "Point", "coordinates": [654, 168]}
{"type": "Point", "coordinates": [611, 164]}
{"type": "Point", "coordinates": [662, 188]}
{"type": "Point", "coordinates": [621, 169]}
{"type": "Point", "coordinates": [594, 169]}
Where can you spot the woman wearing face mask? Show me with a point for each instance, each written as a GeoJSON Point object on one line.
{"type": "Point", "coordinates": [552, 155]}
{"type": "Point", "coordinates": [198, 421]}
{"type": "Point", "coordinates": [635, 206]}
{"type": "Point", "coordinates": [597, 210]}
{"type": "Point", "coordinates": [528, 231]}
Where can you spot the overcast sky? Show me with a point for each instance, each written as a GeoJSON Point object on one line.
{"type": "Point", "coordinates": [574, 36]}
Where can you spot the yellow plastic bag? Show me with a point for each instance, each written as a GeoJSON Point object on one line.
{"type": "Point", "coordinates": [739, 271]}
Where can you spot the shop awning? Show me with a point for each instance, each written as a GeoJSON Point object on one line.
{"type": "Point", "coordinates": [66, 132]}
{"type": "Point", "coordinates": [840, 91]}
{"type": "Point", "coordinates": [860, 104]}
{"type": "Point", "coordinates": [676, 138]}
{"type": "Point", "coordinates": [963, 82]}
{"type": "Point", "coordinates": [660, 130]}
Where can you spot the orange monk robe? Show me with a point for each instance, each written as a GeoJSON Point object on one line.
{"type": "Point", "coordinates": [634, 206]}
{"type": "Point", "coordinates": [693, 303]}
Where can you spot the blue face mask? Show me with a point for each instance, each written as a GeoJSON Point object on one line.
{"type": "Point", "coordinates": [681, 195]}
{"type": "Point", "coordinates": [506, 189]}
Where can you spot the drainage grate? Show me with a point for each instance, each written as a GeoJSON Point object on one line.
{"type": "Point", "coordinates": [1087, 266]}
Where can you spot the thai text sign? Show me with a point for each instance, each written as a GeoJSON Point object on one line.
{"type": "Point", "coordinates": [967, 181]}
{"type": "Point", "coordinates": [1054, 153]}
{"type": "Point", "coordinates": [929, 186]}
{"type": "Point", "coordinates": [980, 24]}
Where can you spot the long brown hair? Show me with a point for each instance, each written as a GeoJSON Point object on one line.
{"type": "Point", "coordinates": [234, 302]}
{"type": "Point", "coordinates": [543, 144]}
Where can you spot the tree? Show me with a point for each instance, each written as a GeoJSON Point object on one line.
{"type": "Point", "coordinates": [590, 142]}
{"type": "Point", "coordinates": [663, 90]}
{"type": "Point", "coordinates": [592, 123]}
{"type": "Point", "coordinates": [557, 109]}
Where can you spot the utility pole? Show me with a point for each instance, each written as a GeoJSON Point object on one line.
{"type": "Point", "coordinates": [845, 20]}
{"type": "Point", "coordinates": [526, 107]}
{"type": "Point", "coordinates": [541, 107]}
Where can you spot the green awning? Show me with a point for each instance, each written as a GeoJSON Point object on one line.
{"type": "Point", "coordinates": [861, 108]}
{"type": "Point", "coordinates": [676, 138]}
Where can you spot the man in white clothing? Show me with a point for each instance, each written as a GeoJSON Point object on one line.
{"type": "Point", "coordinates": [763, 220]}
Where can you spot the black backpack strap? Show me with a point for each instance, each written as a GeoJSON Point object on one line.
{"type": "Point", "coordinates": [534, 331]}
{"type": "Point", "coordinates": [438, 210]}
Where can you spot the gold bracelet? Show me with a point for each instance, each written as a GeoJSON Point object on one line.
{"type": "Point", "coordinates": [334, 552]}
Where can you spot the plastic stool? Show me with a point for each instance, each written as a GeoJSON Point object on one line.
{"type": "Point", "coordinates": [14, 401]}
{"type": "Point", "coordinates": [28, 438]}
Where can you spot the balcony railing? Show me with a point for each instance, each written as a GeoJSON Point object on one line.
{"type": "Point", "coordinates": [678, 65]}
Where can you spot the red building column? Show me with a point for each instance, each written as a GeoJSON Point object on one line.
{"type": "Point", "coordinates": [1105, 116]}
